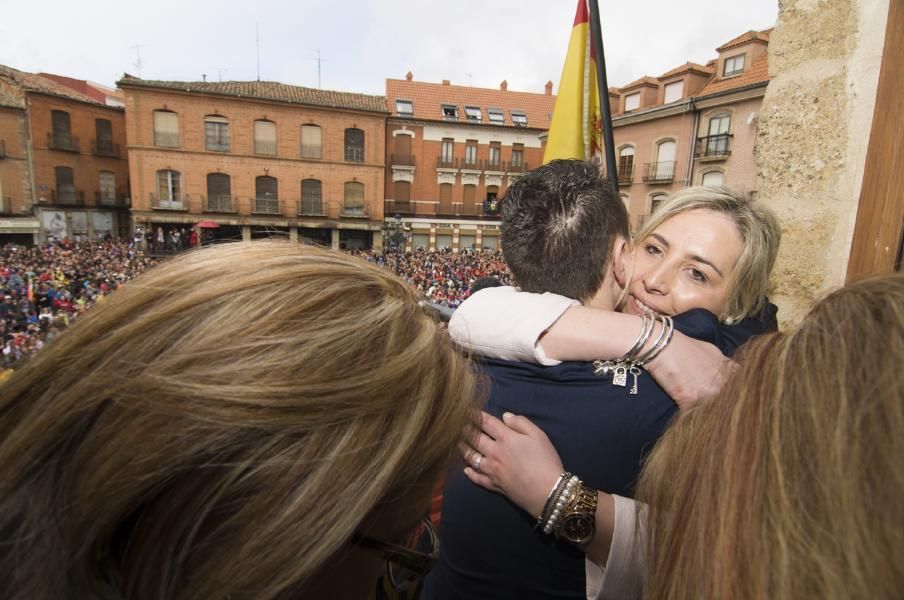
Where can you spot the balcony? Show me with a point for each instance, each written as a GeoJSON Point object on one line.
{"type": "Point", "coordinates": [713, 147]}
{"type": "Point", "coordinates": [443, 162]}
{"type": "Point", "coordinates": [626, 175]}
{"type": "Point", "coordinates": [166, 140]}
{"type": "Point", "coordinates": [402, 160]}
{"type": "Point", "coordinates": [266, 148]}
{"type": "Point", "coordinates": [63, 141]}
{"type": "Point", "coordinates": [354, 210]}
{"type": "Point", "coordinates": [104, 148]}
{"type": "Point", "coordinates": [354, 153]}
{"type": "Point", "coordinates": [518, 167]}
{"type": "Point", "coordinates": [266, 206]}
{"type": "Point", "coordinates": [311, 208]}
{"type": "Point", "coordinates": [67, 197]}
{"type": "Point", "coordinates": [314, 151]}
{"type": "Point", "coordinates": [107, 199]}
{"type": "Point", "coordinates": [471, 164]}
{"type": "Point", "coordinates": [659, 172]}
{"type": "Point", "coordinates": [175, 203]}
{"type": "Point", "coordinates": [219, 203]}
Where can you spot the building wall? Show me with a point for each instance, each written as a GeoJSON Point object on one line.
{"type": "Point", "coordinates": [738, 168]}
{"type": "Point", "coordinates": [15, 175]}
{"type": "Point", "coordinates": [812, 138]}
{"type": "Point", "coordinates": [194, 162]}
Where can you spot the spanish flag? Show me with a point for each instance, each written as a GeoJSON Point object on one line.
{"type": "Point", "coordinates": [576, 128]}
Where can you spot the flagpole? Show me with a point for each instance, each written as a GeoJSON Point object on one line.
{"type": "Point", "coordinates": [596, 38]}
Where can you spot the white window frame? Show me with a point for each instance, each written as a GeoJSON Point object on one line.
{"type": "Point", "coordinates": [669, 91]}
{"type": "Point", "coordinates": [519, 118]}
{"type": "Point", "coordinates": [632, 101]}
{"type": "Point", "coordinates": [399, 104]}
{"type": "Point", "coordinates": [495, 115]}
{"type": "Point", "coordinates": [473, 113]}
{"type": "Point", "coordinates": [737, 65]}
{"type": "Point", "coordinates": [452, 109]}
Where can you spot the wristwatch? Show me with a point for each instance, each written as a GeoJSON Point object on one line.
{"type": "Point", "coordinates": [578, 521]}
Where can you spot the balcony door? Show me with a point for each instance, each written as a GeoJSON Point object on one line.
{"type": "Point", "coordinates": [65, 185]}
{"type": "Point", "coordinates": [665, 161]}
{"type": "Point", "coordinates": [717, 140]}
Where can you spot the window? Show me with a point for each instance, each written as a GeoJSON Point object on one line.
{"type": "Point", "coordinates": [471, 153]}
{"type": "Point", "coordinates": [61, 127]}
{"type": "Point", "coordinates": [626, 164]}
{"type": "Point", "coordinates": [445, 198]}
{"type": "Point", "coordinates": [166, 129]}
{"type": "Point", "coordinates": [496, 115]}
{"type": "Point", "coordinates": [517, 156]}
{"type": "Point", "coordinates": [665, 161]}
{"type": "Point", "coordinates": [674, 91]}
{"type": "Point", "coordinates": [713, 178]}
{"type": "Point", "coordinates": [216, 133]}
{"type": "Point", "coordinates": [519, 118]}
{"type": "Point", "coordinates": [311, 141]}
{"type": "Point", "coordinates": [354, 198]}
{"type": "Point", "coordinates": [265, 137]}
{"type": "Point", "coordinates": [106, 187]}
{"type": "Point", "coordinates": [169, 189]}
{"type": "Point", "coordinates": [472, 113]}
{"type": "Point", "coordinates": [405, 108]}
{"type": "Point", "coordinates": [266, 195]}
{"type": "Point", "coordinates": [311, 197]}
{"type": "Point", "coordinates": [632, 101]}
{"type": "Point", "coordinates": [495, 151]}
{"type": "Point", "coordinates": [450, 112]}
{"type": "Point", "coordinates": [103, 133]}
{"type": "Point", "coordinates": [491, 204]}
{"type": "Point", "coordinates": [733, 65]}
{"type": "Point", "coordinates": [469, 193]}
{"type": "Point", "coordinates": [717, 140]}
{"type": "Point", "coordinates": [656, 201]}
{"type": "Point", "coordinates": [354, 145]}
{"type": "Point", "coordinates": [65, 185]}
{"type": "Point", "coordinates": [219, 192]}
{"type": "Point", "coordinates": [401, 192]}
{"type": "Point", "coordinates": [447, 152]}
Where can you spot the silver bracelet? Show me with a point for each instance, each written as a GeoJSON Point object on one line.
{"type": "Point", "coordinates": [604, 367]}
{"type": "Point", "coordinates": [668, 330]}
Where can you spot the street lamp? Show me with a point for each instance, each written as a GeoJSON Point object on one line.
{"type": "Point", "coordinates": [394, 234]}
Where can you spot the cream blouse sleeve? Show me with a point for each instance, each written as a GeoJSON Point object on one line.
{"type": "Point", "coordinates": [506, 323]}
{"type": "Point", "coordinates": [621, 578]}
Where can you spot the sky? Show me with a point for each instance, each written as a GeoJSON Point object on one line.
{"type": "Point", "coordinates": [362, 42]}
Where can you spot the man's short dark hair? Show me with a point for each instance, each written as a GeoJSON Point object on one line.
{"type": "Point", "coordinates": [559, 223]}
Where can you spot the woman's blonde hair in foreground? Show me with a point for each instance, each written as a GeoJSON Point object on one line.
{"type": "Point", "coordinates": [222, 426]}
{"type": "Point", "coordinates": [789, 484]}
{"type": "Point", "coordinates": [760, 238]}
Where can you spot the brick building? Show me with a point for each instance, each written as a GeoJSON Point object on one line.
{"type": "Point", "coordinates": [255, 158]}
{"type": "Point", "coordinates": [694, 125]}
{"type": "Point", "coordinates": [63, 169]}
{"type": "Point", "coordinates": [451, 151]}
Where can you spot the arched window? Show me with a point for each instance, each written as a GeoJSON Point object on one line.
{"type": "Point", "coordinates": [469, 192]}
{"type": "Point", "coordinates": [656, 201]}
{"type": "Point", "coordinates": [717, 139]}
{"type": "Point", "coordinates": [265, 137]}
{"type": "Point", "coordinates": [311, 141]}
{"type": "Point", "coordinates": [311, 197]}
{"type": "Point", "coordinates": [401, 193]}
{"type": "Point", "coordinates": [106, 187]}
{"type": "Point", "coordinates": [169, 189]}
{"type": "Point", "coordinates": [665, 161]}
{"type": "Point", "coordinates": [491, 203]}
{"type": "Point", "coordinates": [103, 137]}
{"type": "Point", "coordinates": [445, 198]}
{"type": "Point", "coordinates": [266, 195]}
{"type": "Point", "coordinates": [216, 133]}
{"type": "Point", "coordinates": [626, 164]}
{"type": "Point", "coordinates": [61, 138]}
{"type": "Point", "coordinates": [713, 178]}
{"type": "Point", "coordinates": [401, 150]}
{"type": "Point", "coordinates": [354, 145]}
{"type": "Point", "coordinates": [166, 129]}
{"type": "Point", "coordinates": [354, 199]}
{"type": "Point", "coordinates": [219, 192]}
{"type": "Point", "coordinates": [65, 185]}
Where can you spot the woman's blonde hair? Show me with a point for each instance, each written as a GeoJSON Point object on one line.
{"type": "Point", "coordinates": [760, 237]}
{"type": "Point", "coordinates": [222, 426]}
{"type": "Point", "coordinates": [789, 484]}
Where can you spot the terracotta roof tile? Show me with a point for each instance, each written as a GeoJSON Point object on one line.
{"type": "Point", "coordinates": [757, 73]}
{"type": "Point", "coordinates": [427, 100]}
{"type": "Point", "coordinates": [687, 67]}
{"type": "Point", "coordinates": [14, 84]}
{"type": "Point", "coordinates": [267, 90]}
{"type": "Point", "coordinates": [749, 36]}
{"type": "Point", "coordinates": [646, 80]}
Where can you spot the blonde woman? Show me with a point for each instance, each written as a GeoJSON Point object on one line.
{"type": "Point", "coordinates": [253, 420]}
{"type": "Point", "coordinates": [787, 485]}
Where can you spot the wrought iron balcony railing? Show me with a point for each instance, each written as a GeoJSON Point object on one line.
{"type": "Point", "coordinates": [166, 140]}
{"type": "Point", "coordinates": [222, 203]}
{"type": "Point", "coordinates": [714, 146]}
{"type": "Point", "coordinates": [659, 172]}
{"type": "Point", "coordinates": [63, 141]}
{"type": "Point", "coordinates": [402, 160]}
{"type": "Point", "coordinates": [104, 148]}
{"type": "Point", "coordinates": [266, 206]}
{"type": "Point", "coordinates": [68, 196]}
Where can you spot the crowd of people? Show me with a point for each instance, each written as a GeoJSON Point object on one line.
{"type": "Point", "coordinates": [46, 287]}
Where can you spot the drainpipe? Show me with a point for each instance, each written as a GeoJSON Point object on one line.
{"type": "Point", "coordinates": [689, 178]}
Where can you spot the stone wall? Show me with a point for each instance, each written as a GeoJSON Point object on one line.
{"type": "Point", "coordinates": [814, 126]}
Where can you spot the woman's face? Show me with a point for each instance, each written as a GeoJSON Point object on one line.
{"type": "Point", "coordinates": [687, 262]}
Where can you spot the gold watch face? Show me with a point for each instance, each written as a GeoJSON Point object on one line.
{"type": "Point", "coordinates": [577, 528]}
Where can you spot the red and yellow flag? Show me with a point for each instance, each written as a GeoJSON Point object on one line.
{"type": "Point", "coordinates": [576, 128]}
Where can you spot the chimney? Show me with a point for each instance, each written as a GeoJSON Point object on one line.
{"type": "Point", "coordinates": [504, 85]}
{"type": "Point", "coordinates": [409, 76]}
{"type": "Point", "coordinates": [446, 82]}
{"type": "Point", "coordinates": [549, 88]}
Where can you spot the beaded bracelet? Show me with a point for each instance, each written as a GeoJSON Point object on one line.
{"type": "Point", "coordinates": [560, 504]}
{"type": "Point", "coordinates": [555, 486]}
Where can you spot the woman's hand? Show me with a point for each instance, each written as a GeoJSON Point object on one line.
{"type": "Point", "coordinates": [516, 459]}
{"type": "Point", "coordinates": [690, 370]}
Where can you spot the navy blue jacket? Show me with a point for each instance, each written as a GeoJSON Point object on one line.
{"type": "Point", "coordinates": [489, 548]}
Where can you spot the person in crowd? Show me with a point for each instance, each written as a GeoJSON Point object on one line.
{"type": "Point", "coordinates": [564, 232]}
{"type": "Point", "coordinates": [253, 420]}
{"type": "Point", "coordinates": [785, 485]}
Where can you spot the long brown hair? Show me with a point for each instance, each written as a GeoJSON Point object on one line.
{"type": "Point", "coordinates": [789, 484]}
{"type": "Point", "coordinates": [222, 426]}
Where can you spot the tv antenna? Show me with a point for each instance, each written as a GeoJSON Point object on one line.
{"type": "Point", "coordinates": [137, 64]}
{"type": "Point", "coordinates": [319, 62]}
{"type": "Point", "coordinates": [257, 32]}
